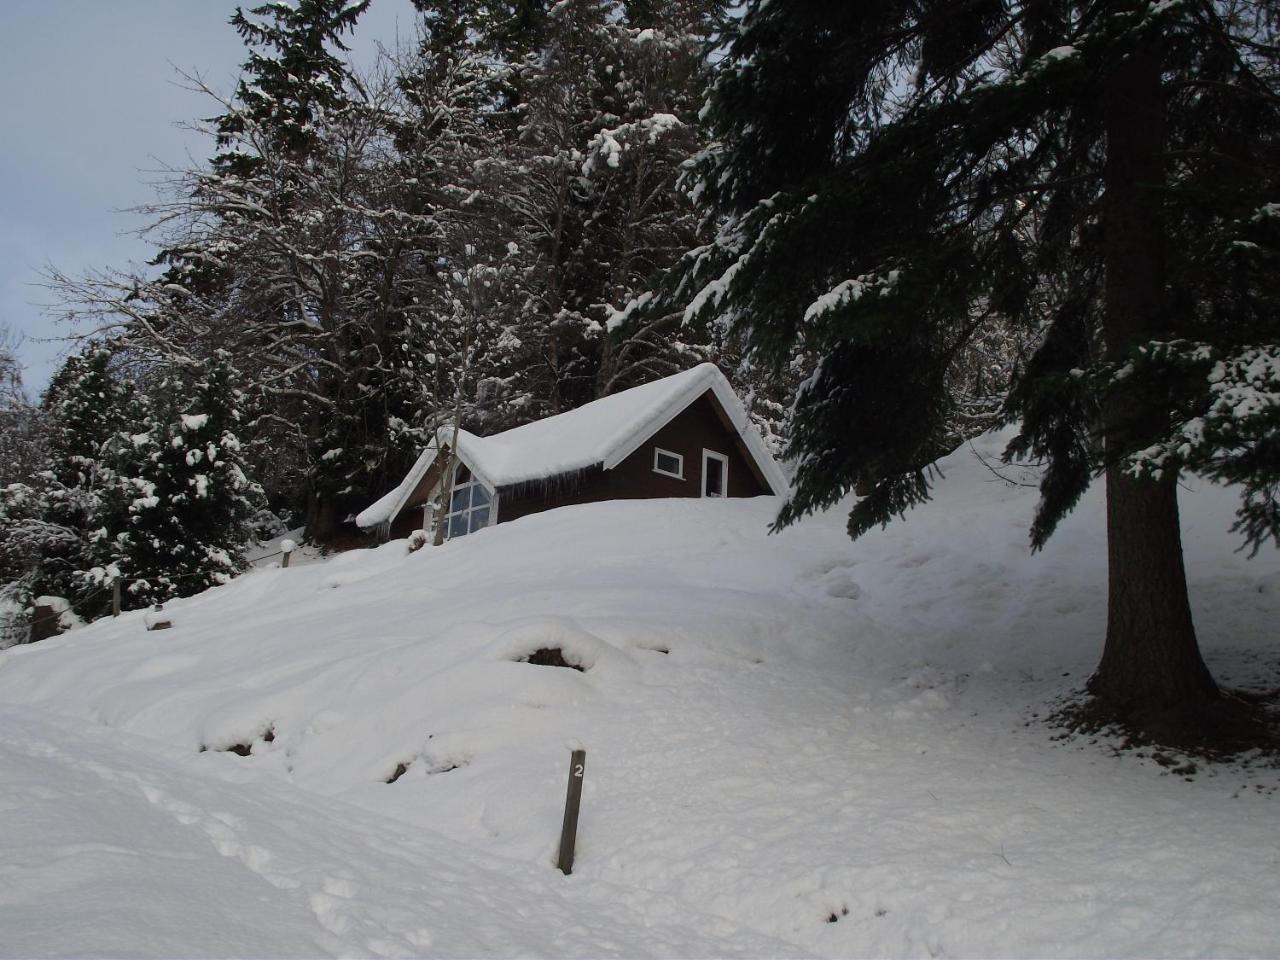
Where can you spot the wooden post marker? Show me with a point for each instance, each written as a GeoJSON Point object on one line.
{"type": "Point", "coordinates": [286, 551]}
{"type": "Point", "coordinates": [569, 832]}
{"type": "Point", "coordinates": [115, 596]}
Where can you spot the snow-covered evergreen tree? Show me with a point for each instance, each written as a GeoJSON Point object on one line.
{"type": "Point", "coordinates": [512, 187]}
{"type": "Point", "coordinates": [897, 178]}
{"type": "Point", "coordinates": [148, 486]}
{"type": "Point", "coordinates": [185, 490]}
{"type": "Point", "coordinates": [595, 112]}
{"type": "Point", "coordinates": [292, 78]}
{"type": "Point", "coordinates": [10, 369]}
{"type": "Point", "coordinates": [468, 285]}
{"type": "Point", "coordinates": [23, 428]}
{"type": "Point", "coordinates": [61, 523]}
{"type": "Point", "coordinates": [271, 252]}
{"type": "Point", "coordinates": [642, 219]}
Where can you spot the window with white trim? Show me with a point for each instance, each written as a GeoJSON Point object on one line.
{"type": "Point", "coordinates": [667, 463]}
{"type": "Point", "coordinates": [471, 504]}
{"type": "Point", "coordinates": [715, 474]}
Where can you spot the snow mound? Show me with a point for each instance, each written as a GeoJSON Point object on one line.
{"type": "Point", "coordinates": [577, 647]}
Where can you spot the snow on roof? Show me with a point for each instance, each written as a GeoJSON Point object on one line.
{"type": "Point", "coordinates": [601, 433]}
{"type": "Point", "coordinates": [384, 509]}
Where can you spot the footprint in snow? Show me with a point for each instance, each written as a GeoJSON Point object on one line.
{"type": "Point", "coordinates": [839, 585]}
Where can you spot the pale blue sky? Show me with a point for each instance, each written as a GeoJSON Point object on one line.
{"type": "Point", "coordinates": [89, 104]}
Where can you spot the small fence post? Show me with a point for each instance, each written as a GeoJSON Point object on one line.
{"type": "Point", "coordinates": [569, 831]}
{"type": "Point", "coordinates": [115, 596]}
{"type": "Point", "coordinates": [286, 551]}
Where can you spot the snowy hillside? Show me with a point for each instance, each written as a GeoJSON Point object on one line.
{"type": "Point", "coordinates": [796, 745]}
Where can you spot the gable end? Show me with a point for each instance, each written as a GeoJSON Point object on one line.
{"type": "Point", "coordinates": [746, 441]}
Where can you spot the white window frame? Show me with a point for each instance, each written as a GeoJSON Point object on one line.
{"type": "Point", "coordinates": [455, 487]}
{"type": "Point", "coordinates": [657, 452]}
{"type": "Point", "coordinates": [724, 475]}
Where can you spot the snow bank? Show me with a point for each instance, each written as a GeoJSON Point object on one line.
{"type": "Point", "coordinates": [797, 745]}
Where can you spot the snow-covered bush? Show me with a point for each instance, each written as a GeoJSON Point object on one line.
{"type": "Point", "coordinates": [266, 525]}
{"type": "Point", "coordinates": [15, 613]}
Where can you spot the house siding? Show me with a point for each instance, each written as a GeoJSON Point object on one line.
{"type": "Point", "coordinates": [589, 486]}
{"type": "Point", "coordinates": [701, 425]}
{"type": "Point", "coordinates": [410, 516]}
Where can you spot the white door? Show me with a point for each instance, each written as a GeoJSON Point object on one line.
{"type": "Point", "coordinates": [715, 474]}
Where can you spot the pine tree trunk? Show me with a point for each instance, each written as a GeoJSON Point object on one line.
{"type": "Point", "coordinates": [1151, 672]}
{"type": "Point", "coordinates": [1151, 669]}
{"type": "Point", "coordinates": [322, 519]}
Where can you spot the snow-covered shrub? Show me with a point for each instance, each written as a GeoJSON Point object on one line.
{"type": "Point", "coordinates": [15, 613]}
{"type": "Point", "coordinates": [266, 525]}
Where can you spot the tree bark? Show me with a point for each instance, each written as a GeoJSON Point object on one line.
{"type": "Point", "coordinates": [1151, 672]}
{"type": "Point", "coordinates": [447, 478]}
{"type": "Point", "coordinates": [322, 519]}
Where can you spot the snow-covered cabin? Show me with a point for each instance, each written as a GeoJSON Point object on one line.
{"type": "Point", "coordinates": [683, 436]}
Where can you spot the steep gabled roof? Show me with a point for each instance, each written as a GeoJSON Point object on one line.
{"type": "Point", "coordinates": [602, 433]}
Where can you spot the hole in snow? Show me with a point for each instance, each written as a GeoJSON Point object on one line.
{"type": "Point", "coordinates": [550, 657]}
{"type": "Point", "coordinates": [443, 764]}
{"type": "Point", "coordinates": [835, 917]}
{"type": "Point", "coordinates": [243, 749]}
{"type": "Point", "coordinates": [433, 767]}
{"type": "Point", "coordinates": [652, 647]}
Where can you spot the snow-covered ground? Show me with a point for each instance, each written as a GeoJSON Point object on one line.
{"type": "Point", "coordinates": [797, 745]}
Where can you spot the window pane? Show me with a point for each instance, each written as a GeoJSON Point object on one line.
{"type": "Point", "coordinates": [715, 477]}
{"type": "Point", "coordinates": [667, 463]}
{"type": "Point", "coordinates": [459, 499]}
{"type": "Point", "coordinates": [457, 525]}
{"type": "Point", "coordinates": [479, 519]}
{"type": "Point", "coordinates": [461, 474]}
{"type": "Point", "coordinates": [479, 495]}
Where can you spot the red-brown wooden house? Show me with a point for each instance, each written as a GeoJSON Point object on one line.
{"type": "Point", "coordinates": [683, 436]}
